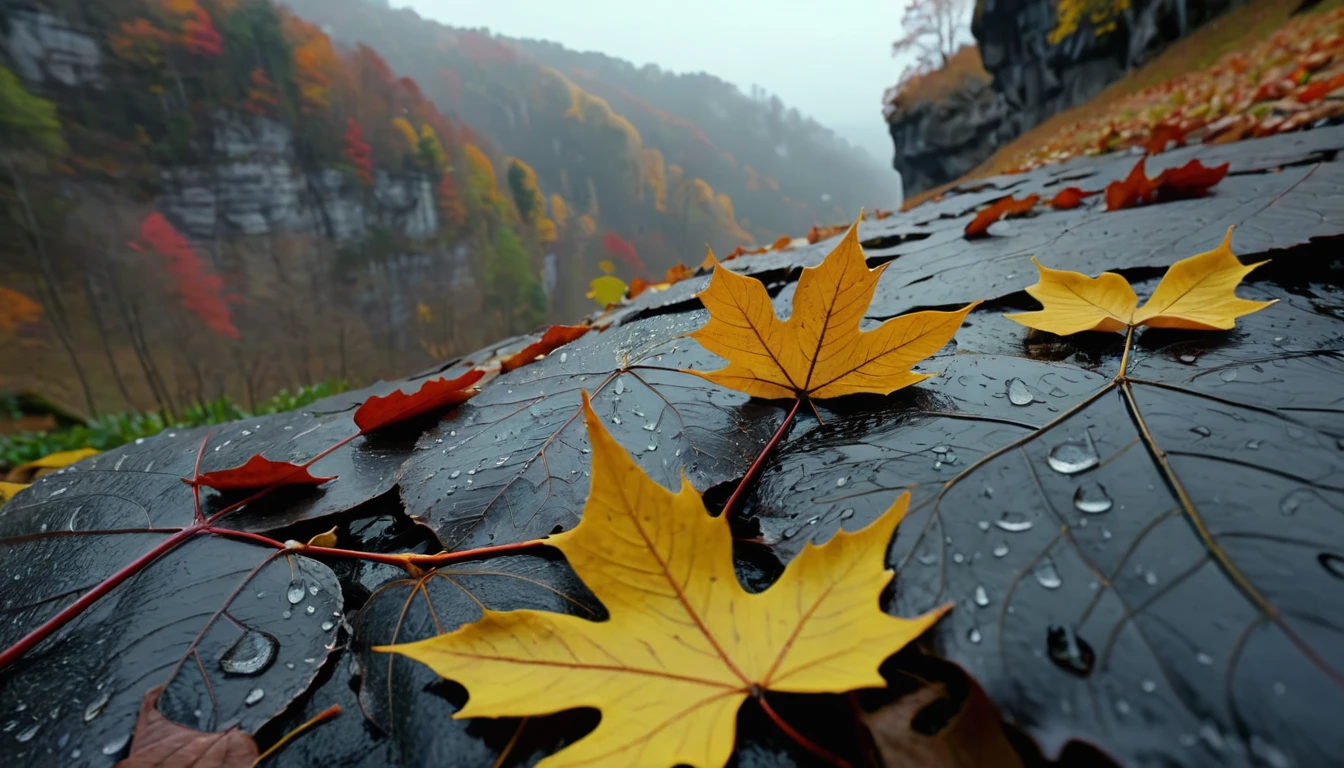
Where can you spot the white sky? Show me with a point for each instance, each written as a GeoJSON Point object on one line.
{"type": "Point", "coordinates": [831, 60]}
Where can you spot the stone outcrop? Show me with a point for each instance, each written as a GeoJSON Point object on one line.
{"type": "Point", "coordinates": [1032, 78]}
{"type": "Point", "coordinates": [253, 188]}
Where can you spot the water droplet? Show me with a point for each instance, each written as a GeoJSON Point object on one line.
{"type": "Point", "coordinates": [1204, 658]}
{"type": "Point", "coordinates": [1073, 455]}
{"type": "Point", "coordinates": [251, 654]}
{"type": "Point", "coordinates": [285, 615]}
{"type": "Point", "coordinates": [1253, 445]}
{"type": "Point", "coordinates": [1332, 563]}
{"type": "Point", "coordinates": [1091, 497]}
{"type": "Point", "coordinates": [253, 696]}
{"type": "Point", "coordinates": [1046, 575]}
{"type": "Point", "coordinates": [310, 610]}
{"type": "Point", "coordinates": [1211, 735]}
{"type": "Point", "coordinates": [1188, 358]}
{"type": "Point", "coordinates": [847, 513]}
{"type": "Point", "coordinates": [957, 557]}
{"type": "Point", "coordinates": [456, 473]}
{"type": "Point", "coordinates": [1150, 578]}
{"type": "Point", "coordinates": [1228, 374]}
{"type": "Point", "coordinates": [28, 733]}
{"type": "Point", "coordinates": [564, 356]}
{"type": "Point", "coordinates": [983, 525]}
{"type": "Point", "coordinates": [1280, 689]}
{"type": "Point", "coordinates": [926, 558]}
{"type": "Point", "coordinates": [1068, 651]}
{"type": "Point", "coordinates": [97, 706]}
{"type": "Point", "coordinates": [327, 626]}
{"type": "Point", "coordinates": [1122, 706]}
{"type": "Point", "coordinates": [1013, 523]}
{"type": "Point", "coordinates": [940, 449]}
{"type": "Point", "coordinates": [1202, 431]}
{"type": "Point", "coordinates": [1001, 550]}
{"type": "Point", "coordinates": [981, 597]}
{"type": "Point", "coordinates": [1148, 686]}
{"type": "Point", "coordinates": [973, 635]}
{"type": "Point", "coordinates": [295, 593]}
{"type": "Point", "coordinates": [115, 746]}
{"type": "Point", "coordinates": [841, 482]}
{"type": "Point", "coordinates": [616, 420]}
{"type": "Point", "coordinates": [620, 385]}
{"type": "Point", "coordinates": [314, 589]}
{"type": "Point", "coordinates": [1018, 394]}
{"type": "Point", "coordinates": [501, 460]}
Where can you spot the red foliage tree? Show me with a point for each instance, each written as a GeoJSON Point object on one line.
{"type": "Point", "coordinates": [358, 152]}
{"type": "Point", "coordinates": [199, 290]}
{"type": "Point", "coordinates": [931, 30]}
{"type": "Point", "coordinates": [199, 35]}
{"type": "Point", "coordinates": [450, 201]}
{"type": "Point", "coordinates": [263, 97]}
{"type": "Point", "coordinates": [618, 247]}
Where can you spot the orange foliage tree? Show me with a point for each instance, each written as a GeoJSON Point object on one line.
{"type": "Point", "coordinates": [263, 98]}
{"type": "Point", "coordinates": [16, 309]}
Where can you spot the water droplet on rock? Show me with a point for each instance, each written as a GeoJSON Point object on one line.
{"type": "Point", "coordinates": [1001, 550]}
{"type": "Point", "coordinates": [1077, 454]}
{"type": "Point", "coordinates": [841, 482]}
{"type": "Point", "coordinates": [1018, 394]}
{"type": "Point", "coordinates": [1068, 651]}
{"type": "Point", "coordinates": [1091, 497]}
{"type": "Point", "coordinates": [981, 597]}
{"type": "Point", "coordinates": [1202, 431]}
{"type": "Point", "coordinates": [251, 654]}
{"type": "Point", "coordinates": [1188, 358]}
{"type": "Point", "coordinates": [96, 707]}
{"type": "Point", "coordinates": [253, 696]}
{"type": "Point", "coordinates": [1013, 523]}
{"type": "Point", "coordinates": [327, 626]}
{"type": "Point", "coordinates": [1046, 575]}
{"type": "Point", "coordinates": [973, 635]}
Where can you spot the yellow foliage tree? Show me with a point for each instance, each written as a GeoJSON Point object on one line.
{"type": "Point", "coordinates": [655, 174]}
{"type": "Point", "coordinates": [559, 211]}
{"type": "Point", "coordinates": [432, 149]}
{"type": "Point", "coordinates": [403, 127]}
{"type": "Point", "coordinates": [587, 225]}
{"type": "Point", "coordinates": [1103, 16]}
{"type": "Point", "coordinates": [481, 183]}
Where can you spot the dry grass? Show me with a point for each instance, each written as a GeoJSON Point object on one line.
{"type": "Point", "coordinates": [932, 87]}
{"type": "Point", "coordinates": [1236, 30]}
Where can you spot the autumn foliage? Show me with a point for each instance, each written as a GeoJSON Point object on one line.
{"type": "Point", "coordinates": [199, 290]}
{"type": "Point", "coordinates": [357, 152]}
{"type": "Point", "coordinates": [620, 248]}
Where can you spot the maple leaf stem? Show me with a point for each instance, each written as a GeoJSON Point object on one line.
{"type": "Point", "coordinates": [255, 538]}
{"type": "Point", "coordinates": [756, 465]}
{"type": "Point", "coordinates": [14, 652]}
{"type": "Point", "coordinates": [412, 561]}
{"type": "Point", "coordinates": [326, 714]}
{"type": "Point", "coordinates": [803, 741]}
{"type": "Point", "coordinates": [1124, 358]}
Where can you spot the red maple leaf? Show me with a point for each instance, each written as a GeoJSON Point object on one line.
{"type": "Point", "coordinates": [1134, 189]}
{"type": "Point", "coordinates": [1194, 179]}
{"type": "Point", "coordinates": [556, 336]}
{"type": "Point", "coordinates": [1008, 207]}
{"type": "Point", "coordinates": [1070, 197]}
{"type": "Point", "coordinates": [385, 410]}
{"type": "Point", "coordinates": [257, 472]}
{"type": "Point", "coordinates": [1162, 134]}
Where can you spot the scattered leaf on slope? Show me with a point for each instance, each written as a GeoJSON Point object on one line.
{"type": "Point", "coordinates": [637, 288]}
{"type": "Point", "coordinates": [378, 412]}
{"type": "Point", "coordinates": [1197, 293]}
{"type": "Point", "coordinates": [7, 490]}
{"type": "Point", "coordinates": [1135, 189]}
{"type": "Point", "coordinates": [963, 731]}
{"type": "Point", "coordinates": [1193, 179]}
{"type": "Point", "coordinates": [606, 290]}
{"type": "Point", "coordinates": [678, 272]}
{"type": "Point", "coordinates": [555, 337]}
{"type": "Point", "coordinates": [817, 234]}
{"type": "Point", "coordinates": [685, 645]}
{"type": "Point", "coordinates": [781, 243]}
{"type": "Point", "coordinates": [258, 472]}
{"type": "Point", "coordinates": [819, 351]}
{"type": "Point", "coordinates": [1008, 207]}
{"type": "Point", "coordinates": [161, 743]}
{"type": "Point", "coordinates": [1070, 197]}
{"type": "Point", "coordinates": [1162, 135]}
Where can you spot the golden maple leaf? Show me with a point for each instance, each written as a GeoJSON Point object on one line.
{"type": "Point", "coordinates": [1198, 293]}
{"type": "Point", "coordinates": [819, 352]}
{"type": "Point", "coordinates": [685, 644]}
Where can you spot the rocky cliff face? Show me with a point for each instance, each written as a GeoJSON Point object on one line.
{"type": "Point", "coordinates": [1033, 77]}
{"type": "Point", "coordinates": [939, 141]}
{"type": "Point", "coordinates": [254, 188]}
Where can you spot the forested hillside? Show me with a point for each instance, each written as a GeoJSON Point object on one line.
{"type": "Point", "coordinates": [212, 196]}
{"type": "Point", "coordinates": [670, 160]}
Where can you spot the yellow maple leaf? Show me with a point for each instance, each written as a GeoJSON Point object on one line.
{"type": "Point", "coordinates": [685, 644]}
{"type": "Point", "coordinates": [1198, 293]}
{"type": "Point", "coordinates": [819, 351]}
{"type": "Point", "coordinates": [606, 290]}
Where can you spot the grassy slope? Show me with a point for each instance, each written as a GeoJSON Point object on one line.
{"type": "Point", "coordinates": [1237, 29]}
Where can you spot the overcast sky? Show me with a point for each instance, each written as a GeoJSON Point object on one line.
{"type": "Point", "coordinates": [830, 60]}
